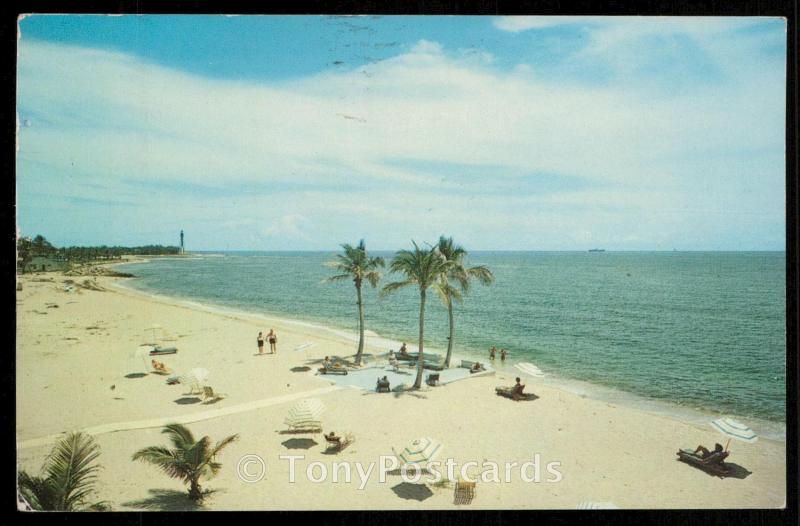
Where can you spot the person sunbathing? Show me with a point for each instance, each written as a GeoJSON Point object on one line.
{"type": "Point", "coordinates": [326, 363]}
{"type": "Point", "coordinates": [705, 453]}
{"type": "Point", "coordinates": [332, 437]}
{"type": "Point", "coordinates": [158, 366]}
{"type": "Point", "coordinates": [477, 367]}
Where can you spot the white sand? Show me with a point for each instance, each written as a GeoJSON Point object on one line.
{"type": "Point", "coordinates": [69, 357]}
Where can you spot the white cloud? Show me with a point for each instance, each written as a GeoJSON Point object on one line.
{"type": "Point", "coordinates": [100, 120]}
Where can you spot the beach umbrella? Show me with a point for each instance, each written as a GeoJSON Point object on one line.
{"type": "Point", "coordinates": [529, 369]}
{"type": "Point", "coordinates": [142, 354]}
{"type": "Point", "coordinates": [587, 505]}
{"type": "Point", "coordinates": [154, 328]}
{"type": "Point", "coordinates": [196, 377]}
{"type": "Point", "coordinates": [733, 429]}
{"type": "Point", "coordinates": [420, 451]}
{"type": "Point", "coordinates": [305, 414]}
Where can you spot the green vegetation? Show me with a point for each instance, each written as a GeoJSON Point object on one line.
{"type": "Point", "coordinates": [355, 264]}
{"type": "Point", "coordinates": [455, 255]}
{"type": "Point", "coordinates": [423, 268]}
{"type": "Point", "coordinates": [27, 248]}
{"type": "Point", "coordinates": [189, 460]}
{"type": "Point", "coordinates": [68, 477]}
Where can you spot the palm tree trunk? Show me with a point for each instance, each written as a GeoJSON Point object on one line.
{"type": "Point", "coordinates": [420, 357]}
{"type": "Point", "coordinates": [360, 324]}
{"type": "Point", "coordinates": [452, 332]}
{"type": "Point", "coordinates": [195, 493]}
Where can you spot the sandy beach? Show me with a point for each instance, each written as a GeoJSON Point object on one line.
{"type": "Point", "coordinates": [73, 347]}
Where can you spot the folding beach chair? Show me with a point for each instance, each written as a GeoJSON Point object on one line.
{"type": "Point", "coordinates": [464, 492]}
{"type": "Point", "coordinates": [209, 396]}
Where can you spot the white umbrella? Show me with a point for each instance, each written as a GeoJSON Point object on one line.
{"type": "Point", "coordinates": [733, 429]}
{"type": "Point", "coordinates": [305, 414]}
{"type": "Point", "coordinates": [587, 505]}
{"type": "Point", "coordinates": [154, 328]}
{"type": "Point", "coordinates": [420, 451]}
{"type": "Point", "coordinates": [529, 369]}
{"type": "Point", "coordinates": [195, 378]}
{"type": "Point", "coordinates": [143, 354]}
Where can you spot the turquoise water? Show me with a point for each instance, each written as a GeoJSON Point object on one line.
{"type": "Point", "coordinates": [701, 330]}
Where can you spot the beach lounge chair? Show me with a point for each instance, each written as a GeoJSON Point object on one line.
{"type": "Point", "coordinates": [334, 369]}
{"type": "Point", "coordinates": [433, 365]}
{"type": "Point", "coordinates": [432, 379]}
{"type": "Point", "coordinates": [336, 444]}
{"type": "Point", "coordinates": [163, 350]}
{"type": "Point", "coordinates": [713, 463]}
{"type": "Point", "coordinates": [514, 393]}
{"type": "Point", "coordinates": [209, 396]}
{"type": "Point", "coordinates": [382, 386]}
{"type": "Point", "coordinates": [464, 492]}
{"type": "Point", "coordinates": [409, 357]}
{"type": "Point", "coordinates": [469, 365]}
{"type": "Point", "coordinates": [164, 371]}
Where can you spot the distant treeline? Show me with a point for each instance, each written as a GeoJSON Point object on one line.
{"type": "Point", "coordinates": [39, 246]}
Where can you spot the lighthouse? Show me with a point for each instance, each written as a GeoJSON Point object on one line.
{"type": "Point", "coordinates": [182, 249]}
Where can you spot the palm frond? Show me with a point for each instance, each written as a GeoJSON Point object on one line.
{"type": "Point", "coordinates": [222, 444]}
{"type": "Point", "coordinates": [396, 285]}
{"type": "Point", "coordinates": [482, 274]}
{"type": "Point", "coordinates": [36, 491]}
{"type": "Point", "coordinates": [338, 277]}
{"type": "Point", "coordinates": [179, 435]}
{"type": "Point", "coordinates": [170, 461]}
{"type": "Point", "coordinates": [373, 277]}
{"type": "Point", "coordinates": [198, 455]}
{"type": "Point", "coordinates": [69, 470]}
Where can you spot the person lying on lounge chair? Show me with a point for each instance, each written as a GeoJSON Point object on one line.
{"type": "Point", "coordinates": [326, 363]}
{"type": "Point", "coordinates": [705, 453]}
{"type": "Point", "coordinates": [332, 437]}
{"type": "Point", "coordinates": [158, 366]}
{"type": "Point", "coordinates": [476, 367]}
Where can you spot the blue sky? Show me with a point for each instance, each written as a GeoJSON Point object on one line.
{"type": "Point", "coordinates": [301, 133]}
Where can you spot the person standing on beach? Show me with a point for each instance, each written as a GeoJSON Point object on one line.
{"type": "Point", "coordinates": [273, 341]}
{"type": "Point", "coordinates": [260, 340]}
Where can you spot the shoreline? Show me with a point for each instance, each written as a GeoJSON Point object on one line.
{"type": "Point", "coordinates": [75, 371]}
{"type": "Point", "coordinates": [699, 417]}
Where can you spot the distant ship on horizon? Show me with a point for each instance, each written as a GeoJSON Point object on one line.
{"type": "Point", "coordinates": [597, 250]}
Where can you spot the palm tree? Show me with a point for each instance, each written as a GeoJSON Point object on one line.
{"type": "Point", "coordinates": [355, 264]}
{"type": "Point", "coordinates": [68, 477]}
{"type": "Point", "coordinates": [189, 460]}
{"type": "Point", "coordinates": [422, 267]}
{"type": "Point", "coordinates": [455, 254]}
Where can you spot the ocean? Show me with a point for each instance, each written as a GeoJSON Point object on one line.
{"type": "Point", "coordinates": [701, 333]}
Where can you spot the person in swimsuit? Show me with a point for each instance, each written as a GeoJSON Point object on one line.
{"type": "Point", "coordinates": [273, 341]}
{"type": "Point", "coordinates": [260, 340]}
{"type": "Point", "coordinates": [492, 352]}
{"type": "Point", "coordinates": [503, 355]}
{"type": "Point", "coordinates": [705, 453]}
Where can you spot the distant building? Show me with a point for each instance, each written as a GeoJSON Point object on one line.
{"type": "Point", "coordinates": [45, 264]}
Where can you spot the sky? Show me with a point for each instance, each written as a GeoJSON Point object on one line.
{"type": "Point", "coordinates": [306, 132]}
